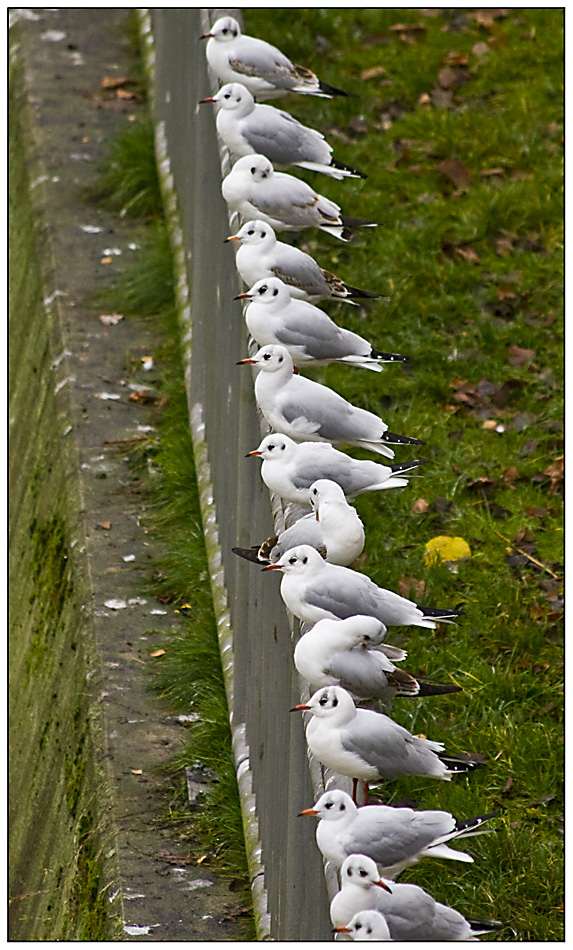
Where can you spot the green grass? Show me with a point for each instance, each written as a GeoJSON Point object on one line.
{"type": "Point", "coordinates": [462, 291]}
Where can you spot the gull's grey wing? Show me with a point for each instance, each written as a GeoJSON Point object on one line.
{"type": "Point", "coordinates": [301, 271]}
{"type": "Point", "coordinates": [388, 747]}
{"type": "Point", "coordinates": [345, 596]}
{"type": "Point", "coordinates": [336, 420]}
{"type": "Point", "coordinates": [253, 58]}
{"type": "Point", "coordinates": [351, 475]}
{"type": "Point", "coordinates": [283, 140]}
{"type": "Point", "coordinates": [391, 835]}
{"type": "Point", "coordinates": [412, 914]}
{"type": "Point", "coordinates": [293, 206]}
{"type": "Point", "coordinates": [359, 672]}
{"type": "Point", "coordinates": [321, 337]}
{"type": "Point", "coordinates": [306, 530]}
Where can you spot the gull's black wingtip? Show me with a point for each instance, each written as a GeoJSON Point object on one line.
{"type": "Point", "coordinates": [394, 439]}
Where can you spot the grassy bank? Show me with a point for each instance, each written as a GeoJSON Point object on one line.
{"type": "Point", "coordinates": [458, 124]}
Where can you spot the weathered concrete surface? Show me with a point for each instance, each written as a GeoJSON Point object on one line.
{"type": "Point", "coordinates": [55, 786]}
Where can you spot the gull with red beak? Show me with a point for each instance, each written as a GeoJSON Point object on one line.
{"type": "Point", "coordinates": [314, 590]}
{"type": "Point", "coordinates": [236, 57]}
{"type": "Point", "coordinates": [261, 255]}
{"type": "Point", "coordinates": [254, 190]}
{"type": "Point", "coordinates": [311, 337]}
{"type": "Point", "coordinates": [248, 128]}
{"type": "Point", "coordinates": [394, 838]}
{"type": "Point", "coordinates": [307, 411]}
{"type": "Point", "coordinates": [289, 468]}
{"type": "Point", "coordinates": [410, 912]}
{"type": "Point", "coordinates": [368, 745]}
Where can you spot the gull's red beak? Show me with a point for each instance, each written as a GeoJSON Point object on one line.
{"type": "Point", "coordinates": [242, 297]}
{"type": "Point", "coordinates": [300, 708]}
{"type": "Point", "coordinates": [205, 36]}
{"type": "Point", "coordinates": [208, 99]}
{"type": "Point", "coordinates": [232, 237]}
{"type": "Point", "coordinates": [341, 930]}
{"type": "Point", "coordinates": [254, 452]}
{"type": "Point", "coordinates": [248, 360]}
{"type": "Point", "coordinates": [272, 567]}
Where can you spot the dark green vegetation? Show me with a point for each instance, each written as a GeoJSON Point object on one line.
{"type": "Point", "coordinates": [189, 675]}
{"type": "Point", "coordinates": [458, 124]}
{"type": "Point", "coordinates": [57, 794]}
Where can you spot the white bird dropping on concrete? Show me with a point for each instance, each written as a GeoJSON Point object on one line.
{"type": "Point", "coordinates": [410, 912]}
{"type": "Point", "coordinates": [289, 468]}
{"type": "Point", "coordinates": [309, 412]}
{"type": "Point", "coordinates": [367, 925]}
{"type": "Point", "coordinates": [248, 128]}
{"type": "Point", "coordinates": [274, 317]}
{"type": "Point", "coordinates": [261, 255]}
{"type": "Point", "coordinates": [393, 837]}
{"type": "Point", "coordinates": [333, 528]}
{"type": "Point", "coordinates": [267, 73]}
{"type": "Point", "coordinates": [346, 653]}
{"type": "Point", "coordinates": [314, 590]}
{"type": "Point", "coordinates": [368, 745]}
{"type": "Point", "coordinates": [254, 190]}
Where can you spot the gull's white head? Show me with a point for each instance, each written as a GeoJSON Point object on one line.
{"type": "Point", "coordinates": [332, 702]}
{"type": "Point", "coordinates": [361, 870]}
{"type": "Point", "coordinates": [269, 290]}
{"type": "Point", "coordinates": [335, 805]}
{"type": "Point", "coordinates": [255, 168]}
{"type": "Point", "coordinates": [224, 30]}
{"type": "Point", "coordinates": [299, 560]}
{"type": "Point", "coordinates": [367, 925]}
{"type": "Point", "coordinates": [273, 358]}
{"type": "Point", "coordinates": [275, 447]}
{"type": "Point", "coordinates": [324, 490]}
{"type": "Point", "coordinates": [234, 97]}
{"type": "Point", "coordinates": [256, 233]}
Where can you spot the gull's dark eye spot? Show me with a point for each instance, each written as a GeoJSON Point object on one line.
{"type": "Point", "coordinates": [270, 447]}
{"type": "Point", "coordinates": [363, 873]}
{"type": "Point", "coordinates": [253, 170]}
{"type": "Point", "coordinates": [250, 232]}
{"type": "Point", "coordinates": [275, 292]}
{"type": "Point", "coordinates": [323, 700]}
{"type": "Point", "coordinates": [292, 560]}
{"type": "Point", "coordinates": [227, 95]}
{"type": "Point", "coordinates": [335, 701]}
{"type": "Point", "coordinates": [369, 930]}
{"type": "Point", "coordinates": [263, 289]}
{"type": "Point", "coordinates": [304, 560]}
{"type": "Point", "coordinates": [267, 356]}
{"type": "Point", "coordinates": [281, 358]}
{"type": "Point", "coordinates": [315, 491]}
{"type": "Point", "coordinates": [358, 926]}
{"type": "Point", "coordinates": [238, 98]}
{"type": "Point", "coordinates": [328, 805]}
{"type": "Point", "coordinates": [283, 446]}
{"type": "Point", "coordinates": [342, 807]}
{"type": "Point", "coordinates": [263, 233]}
{"type": "Point", "coordinates": [349, 872]}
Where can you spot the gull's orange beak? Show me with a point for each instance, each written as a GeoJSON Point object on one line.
{"type": "Point", "coordinates": [254, 452]}
{"type": "Point", "coordinates": [383, 885]}
{"type": "Point", "coordinates": [307, 811]}
{"type": "Point", "coordinates": [232, 237]}
{"type": "Point", "coordinates": [208, 99]}
{"type": "Point", "coordinates": [242, 297]}
{"type": "Point", "coordinates": [272, 567]}
{"type": "Point", "coordinates": [341, 930]}
{"type": "Point", "coordinates": [248, 360]}
{"type": "Point", "coordinates": [301, 707]}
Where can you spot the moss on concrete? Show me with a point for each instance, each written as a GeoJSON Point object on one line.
{"type": "Point", "coordinates": [58, 796]}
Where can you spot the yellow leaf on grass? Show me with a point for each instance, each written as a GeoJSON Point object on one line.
{"type": "Point", "coordinates": [158, 653]}
{"type": "Point", "coordinates": [444, 548]}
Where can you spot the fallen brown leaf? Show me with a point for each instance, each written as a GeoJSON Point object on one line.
{"type": "Point", "coordinates": [468, 254]}
{"type": "Point", "coordinates": [419, 507]}
{"type": "Point", "coordinates": [372, 73]}
{"type": "Point", "coordinates": [480, 49]}
{"type": "Point", "coordinates": [510, 475]}
{"type": "Point", "coordinates": [491, 172]}
{"type": "Point", "coordinates": [106, 525]}
{"type": "Point", "coordinates": [519, 357]}
{"type": "Point", "coordinates": [408, 584]}
{"type": "Point", "coordinates": [143, 396]}
{"type": "Point", "coordinates": [111, 319]}
{"type": "Point", "coordinates": [456, 171]}
{"type": "Point", "coordinates": [158, 653]}
{"type": "Point", "coordinates": [408, 28]}
{"type": "Point", "coordinates": [115, 82]}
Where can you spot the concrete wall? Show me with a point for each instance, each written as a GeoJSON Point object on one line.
{"type": "Point", "coordinates": [57, 794]}
{"type": "Point", "coordinates": [255, 634]}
